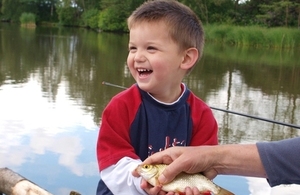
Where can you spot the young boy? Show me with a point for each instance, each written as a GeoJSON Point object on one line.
{"type": "Point", "coordinates": [159, 111]}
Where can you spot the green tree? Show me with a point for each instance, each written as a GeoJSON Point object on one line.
{"type": "Point", "coordinates": [68, 16]}
{"type": "Point", "coordinates": [89, 4]}
{"type": "Point", "coordinates": [43, 9]}
{"type": "Point", "coordinates": [247, 11]}
{"type": "Point", "coordinates": [212, 11]}
{"type": "Point", "coordinates": [46, 10]}
{"type": "Point", "coordinates": [111, 15]}
{"type": "Point", "coordinates": [90, 18]}
{"type": "Point", "coordinates": [115, 12]}
{"type": "Point", "coordinates": [11, 10]}
{"type": "Point", "coordinates": [280, 13]}
{"type": "Point", "coordinates": [69, 12]}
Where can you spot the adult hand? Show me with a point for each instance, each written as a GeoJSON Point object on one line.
{"type": "Point", "coordinates": [185, 159]}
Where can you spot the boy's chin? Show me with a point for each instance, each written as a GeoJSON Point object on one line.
{"type": "Point", "coordinates": [144, 87]}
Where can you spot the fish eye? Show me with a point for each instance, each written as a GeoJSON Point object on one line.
{"type": "Point", "coordinates": [146, 166]}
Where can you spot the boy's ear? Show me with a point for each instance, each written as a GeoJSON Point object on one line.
{"type": "Point", "coordinates": [190, 57]}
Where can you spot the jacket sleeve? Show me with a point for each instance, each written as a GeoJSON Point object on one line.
{"type": "Point", "coordinates": [119, 180]}
{"type": "Point", "coordinates": [205, 127]}
{"type": "Point", "coordinates": [281, 161]}
{"type": "Point", "coordinates": [114, 141]}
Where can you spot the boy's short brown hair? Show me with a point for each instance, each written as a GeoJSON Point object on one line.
{"type": "Point", "coordinates": [185, 27]}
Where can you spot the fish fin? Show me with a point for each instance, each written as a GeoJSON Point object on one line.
{"type": "Point", "coordinates": [224, 192]}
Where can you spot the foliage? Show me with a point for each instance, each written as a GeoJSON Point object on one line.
{"type": "Point", "coordinates": [90, 18]}
{"type": "Point", "coordinates": [112, 14]}
{"type": "Point", "coordinates": [46, 10]}
{"type": "Point", "coordinates": [279, 13]}
{"type": "Point", "coordinates": [111, 20]}
{"type": "Point", "coordinates": [115, 12]}
{"type": "Point", "coordinates": [210, 11]}
{"type": "Point", "coordinates": [43, 9]}
{"type": "Point", "coordinates": [68, 16]}
{"type": "Point", "coordinates": [27, 18]}
{"type": "Point", "coordinates": [11, 10]}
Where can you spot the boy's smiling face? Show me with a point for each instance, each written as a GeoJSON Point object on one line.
{"type": "Point", "coordinates": [155, 60]}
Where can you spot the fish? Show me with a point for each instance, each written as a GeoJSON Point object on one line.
{"type": "Point", "coordinates": [74, 193]}
{"type": "Point", "coordinates": [151, 173]}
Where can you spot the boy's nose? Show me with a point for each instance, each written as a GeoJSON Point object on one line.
{"type": "Point", "coordinates": [139, 56]}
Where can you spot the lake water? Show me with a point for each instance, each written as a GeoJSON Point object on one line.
{"type": "Point", "coordinates": [52, 97]}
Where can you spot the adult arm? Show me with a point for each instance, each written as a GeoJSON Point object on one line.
{"type": "Point", "coordinates": [236, 159]}
{"type": "Point", "coordinates": [281, 160]}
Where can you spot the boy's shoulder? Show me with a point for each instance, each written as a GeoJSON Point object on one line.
{"type": "Point", "coordinates": [125, 103]}
{"type": "Point", "coordinates": [196, 101]}
{"type": "Point", "coordinates": [128, 98]}
{"type": "Point", "coordinates": [131, 92]}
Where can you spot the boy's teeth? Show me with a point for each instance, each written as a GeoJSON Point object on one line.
{"type": "Point", "coordinates": [142, 70]}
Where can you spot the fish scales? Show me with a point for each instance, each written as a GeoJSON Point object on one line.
{"type": "Point", "coordinates": [151, 173]}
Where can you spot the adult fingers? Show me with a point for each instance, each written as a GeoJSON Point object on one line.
{"type": "Point", "coordinates": [159, 158]}
{"type": "Point", "coordinates": [172, 170]}
{"type": "Point", "coordinates": [151, 190]}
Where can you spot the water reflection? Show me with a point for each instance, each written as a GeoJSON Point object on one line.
{"type": "Point", "coordinates": [247, 82]}
{"type": "Point", "coordinates": [51, 100]}
{"type": "Point", "coordinates": [36, 135]}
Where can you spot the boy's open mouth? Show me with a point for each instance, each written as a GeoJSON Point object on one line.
{"type": "Point", "coordinates": [143, 72]}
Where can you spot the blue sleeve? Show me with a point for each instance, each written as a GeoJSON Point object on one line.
{"type": "Point", "coordinates": [281, 160]}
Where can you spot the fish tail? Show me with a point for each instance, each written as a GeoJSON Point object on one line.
{"type": "Point", "coordinates": [224, 192]}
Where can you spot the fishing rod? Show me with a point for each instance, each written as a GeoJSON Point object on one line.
{"type": "Point", "coordinates": [228, 111]}
{"type": "Point", "coordinates": [258, 118]}
{"type": "Point", "coordinates": [113, 85]}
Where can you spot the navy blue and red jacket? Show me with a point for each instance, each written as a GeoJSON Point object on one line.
{"type": "Point", "coordinates": [135, 125]}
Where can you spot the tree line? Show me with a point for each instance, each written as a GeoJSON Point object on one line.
{"type": "Point", "coordinates": [110, 15]}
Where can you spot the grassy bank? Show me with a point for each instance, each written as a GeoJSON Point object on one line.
{"type": "Point", "coordinates": [253, 36]}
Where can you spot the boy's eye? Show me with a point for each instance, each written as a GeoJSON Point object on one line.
{"type": "Point", "coordinates": [132, 48]}
{"type": "Point", "coordinates": [151, 48]}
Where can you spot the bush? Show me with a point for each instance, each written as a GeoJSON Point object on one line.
{"type": "Point", "coordinates": [27, 18]}
{"type": "Point", "coordinates": [111, 20]}
{"type": "Point", "coordinates": [90, 18]}
{"type": "Point", "coordinates": [68, 16]}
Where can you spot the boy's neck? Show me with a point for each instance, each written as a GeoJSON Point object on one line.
{"type": "Point", "coordinates": [174, 100]}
